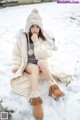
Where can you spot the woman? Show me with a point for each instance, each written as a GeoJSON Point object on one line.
{"type": "Point", "coordinates": [30, 62]}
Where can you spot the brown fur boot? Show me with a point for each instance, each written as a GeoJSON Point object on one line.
{"type": "Point", "coordinates": [37, 107]}
{"type": "Point", "coordinates": [55, 91]}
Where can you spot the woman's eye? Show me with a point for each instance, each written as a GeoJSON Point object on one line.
{"type": "Point", "coordinates": [37, 26]}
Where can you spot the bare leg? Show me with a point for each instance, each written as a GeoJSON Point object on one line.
{"type": "Point", "coordinates": [54, 90]}
{"type": "Point", "coordinates": [45, 70]}
{"type": "Point", "coordinates": [34, 71]}
{"type": "Point", "coordinates": [35, 99]}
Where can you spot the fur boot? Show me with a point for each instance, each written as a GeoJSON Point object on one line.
{"type": "Point", "coordinates": [55, 91]}
{"type": "Point", "coordinates": [36, 102]}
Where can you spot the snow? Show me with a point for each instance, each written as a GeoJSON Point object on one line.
{"type": "Point", "coordinates": [63, 20]}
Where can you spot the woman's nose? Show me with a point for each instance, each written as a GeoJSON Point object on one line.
{"type": "Point", "coordinates": [34, 29]}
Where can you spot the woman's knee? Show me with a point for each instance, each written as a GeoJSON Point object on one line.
{"type": "Point", "coordinates": [41, 62]}
{"type": "Point", "coordinates": [30, 68]}
{"type": "Point", "coordinates": [35, 68]}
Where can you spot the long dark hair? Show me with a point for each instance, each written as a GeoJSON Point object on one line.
{"type": "Point", "coordinates": [41, 35]}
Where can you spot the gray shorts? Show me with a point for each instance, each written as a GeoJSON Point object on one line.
{"type": "Point", "coordinates": [32, 61]}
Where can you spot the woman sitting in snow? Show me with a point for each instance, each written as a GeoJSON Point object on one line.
{"type": "Point", "coordinates": [30, 56]}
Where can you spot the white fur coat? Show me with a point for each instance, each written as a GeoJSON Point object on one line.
{"type": "Point", "coordinates": [20, 81]}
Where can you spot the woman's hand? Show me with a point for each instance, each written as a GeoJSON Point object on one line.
{"type": "Point", "coordinates": [14, 71]}
{"type": "Point", "coordinates": [34, 37]}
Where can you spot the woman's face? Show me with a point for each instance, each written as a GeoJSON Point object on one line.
{"type": "Point", "coordinates": [35, 29]}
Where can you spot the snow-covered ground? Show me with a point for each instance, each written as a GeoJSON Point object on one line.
{"type": "Point", "coordinates": [63, 20]}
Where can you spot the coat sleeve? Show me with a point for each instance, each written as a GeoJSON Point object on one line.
{"type": "Point", "coordinates": [42, 50]}
{"type": "Point", "coordinates": [16, 55]}
{"type": "Point", "coordinates": [51, 40]}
